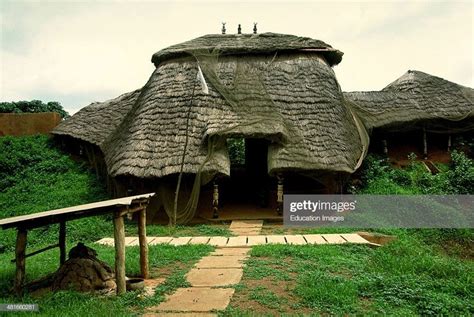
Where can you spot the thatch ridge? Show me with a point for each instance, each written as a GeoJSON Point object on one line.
{"type": "Point", "coordinates": [263, 43]}
{"type": "Point", "coordinates": [415, 97]}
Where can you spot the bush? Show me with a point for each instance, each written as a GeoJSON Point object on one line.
{"type": "Point", "coordinates": [378, 177]}
{"type": "Point", "coordinates": [236, 149]}
{"type": "Point", "coordinates": [461, 173]}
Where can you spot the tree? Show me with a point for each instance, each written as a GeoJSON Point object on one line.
{"type": "Point", "coordinates": [33, 106]}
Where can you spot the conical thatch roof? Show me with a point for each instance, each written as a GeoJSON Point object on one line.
{"type": "Point", "coordinates": [298, 106]}
{"type": "Point", "coordinates": [416, 98]}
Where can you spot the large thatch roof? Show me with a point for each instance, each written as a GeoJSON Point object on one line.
{"type": "Point", "coordinates": [414, 99]}
{"type": "Point", "coordinates": [298, 106]}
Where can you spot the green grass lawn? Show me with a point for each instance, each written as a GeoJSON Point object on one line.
{"type": "Point", "coordinates": [404, 278]}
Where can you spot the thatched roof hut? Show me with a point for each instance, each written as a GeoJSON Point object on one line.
{"type": "Point", "coordinates": [416, 100]}
{"type": "Point", "coordinates": [272, 86]}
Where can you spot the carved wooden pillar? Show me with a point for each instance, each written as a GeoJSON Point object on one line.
{"type": "Point", "coordinates": [215, 200]}
{"type": "Point", "coordinates": [425, 145]}
{"type": "Point", "coordinates": [280, 194]}
{"type": "Point", "coordinates": [385, 147]}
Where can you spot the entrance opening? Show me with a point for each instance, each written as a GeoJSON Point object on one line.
{"type": "Point", "coordinates": [249, 183]}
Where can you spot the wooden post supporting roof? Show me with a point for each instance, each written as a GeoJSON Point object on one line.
{"type": "Point", "coordinates": [425, 145]}
{"type": "Point", "coordinates": [385, 147]}
{"type": "Point", "coordinates": [215, 200]}
{"type": "Point", "coordinates": [280, 195]}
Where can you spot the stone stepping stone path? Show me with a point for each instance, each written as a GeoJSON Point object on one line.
{"type": "Point", "coordinates": [211, 280]}
{"type": "Point", "coordinates": [246, 227]}
{"type": "Point", "coordinates": [212, 277]}
{"type": "Point", "coordinates": [196, 299]}
{"type": "Point", "coordinates": [249, 240]}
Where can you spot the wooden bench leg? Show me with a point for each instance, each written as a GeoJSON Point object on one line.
{"type": "Point", "coordinates": [20, 260]}
{"type": "Point", "coordinates": [119, 239]}
{"type": "Point", "coordinates": [62, 242]}
{"type": "Point", "coordinates": [143, 243]}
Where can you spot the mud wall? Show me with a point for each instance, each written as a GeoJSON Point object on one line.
{"type": "Point", "coordinates": [18, 124]}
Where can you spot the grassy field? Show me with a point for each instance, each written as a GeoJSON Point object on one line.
{"type": "Point", "coordinates": [404, 278]}
{"type": "Point", "coordinates": [423, 272]}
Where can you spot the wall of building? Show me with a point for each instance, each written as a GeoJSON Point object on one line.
{"type": "Point", "coordinates": [18, 124]}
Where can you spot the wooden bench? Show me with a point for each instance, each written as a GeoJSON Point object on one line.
{"type": "Point", "coordinates": [118, 207]}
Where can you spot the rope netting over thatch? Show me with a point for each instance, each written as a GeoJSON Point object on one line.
{"type": "Point", "coordinates": [417, 100]}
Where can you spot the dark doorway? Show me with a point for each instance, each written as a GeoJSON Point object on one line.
{"type": "Point", "coordinates": [249, 182]}
{"type": "Point", "coordinates": [256, 163]}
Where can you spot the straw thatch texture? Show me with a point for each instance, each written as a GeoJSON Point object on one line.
{"type": "Point", "coordinates": [98, 121]}
{"type": "Point", "coordinates": [233, 44]}
{"type": "Point", "coordinates": [306, 119]}
{"type": "Point", "coordinates": [414, 98]}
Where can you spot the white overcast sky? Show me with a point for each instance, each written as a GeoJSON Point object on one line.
{"type": "Point", "coordinates": [77, 52]}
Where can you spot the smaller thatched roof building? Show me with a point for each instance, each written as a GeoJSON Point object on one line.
{"type": "Point", "coordinates": [416, 100]}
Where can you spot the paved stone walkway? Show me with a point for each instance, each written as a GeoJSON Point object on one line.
{"type": "Point", "coordinates": [246, 227]}
{"type": "Point", "coordinates": [248, 240]}
{"type": "Point", "coordinates": [211, 281]}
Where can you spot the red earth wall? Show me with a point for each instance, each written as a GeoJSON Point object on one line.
{"type": "Point", "coordinates": [18, 124]}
